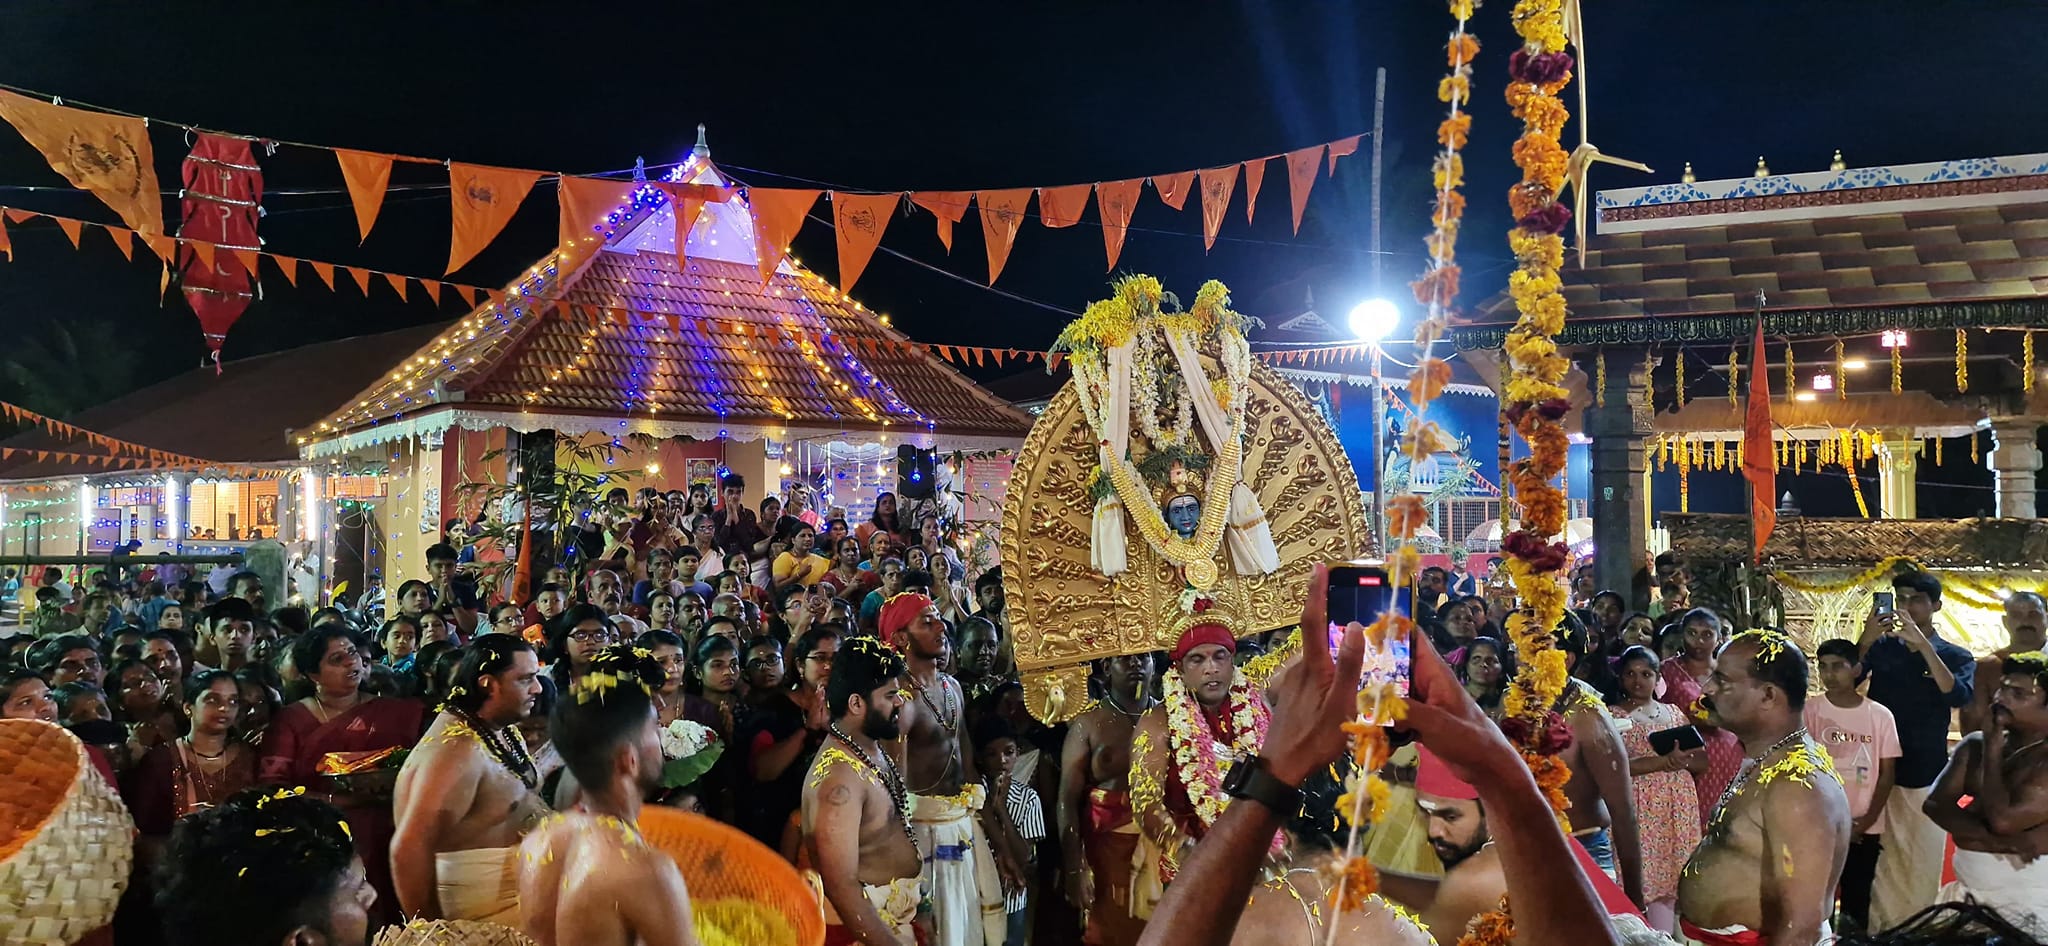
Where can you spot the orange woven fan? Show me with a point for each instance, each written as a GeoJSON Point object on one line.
{"type": "Point", "coordinates": [740, 891]}
{"type": "Point", "coordinates": [66, 841]}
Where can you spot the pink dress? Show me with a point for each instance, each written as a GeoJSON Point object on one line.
{"type": "Point", "coordinates": [1665, 802]}
{"type": "Point", "coordinates": [1724, 751]}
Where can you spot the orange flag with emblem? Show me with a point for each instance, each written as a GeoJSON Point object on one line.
{"type": "Point", "coordinates": [1217, 185]}
{"type": "Point", "coordinates": [948, 206]}
{"type": "Point", "coordinates": [1254, 175]}
{"type": "Point", "coordinates": [1301, 177]}
{"type": "Point", "coordinates": [579, 229]}
{"type": "Point", "coordinates": [483, 199]}
{"type": "Point", "coordinates": [1062, 206]}
{"type": "Point", "coordinates": [1116, 200]}
{"type": "Point", "coordinates": [1002, 213]}
{"type": "Point", "coordinates": [108, 155]}
{"type": "Point", "coordinates": [1173, 188]}
{"type": "Point", "coordinates": [367, 175]}
{"type": "Point", "coordinates": [1759, 456]}
{"type": "Point", "coordinates": [778, 215]}
{"type": "Point", "coordinates": [858, 221]}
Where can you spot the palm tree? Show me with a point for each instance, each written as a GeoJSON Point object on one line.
{"type": "Point", "coordinates": [68, 366]}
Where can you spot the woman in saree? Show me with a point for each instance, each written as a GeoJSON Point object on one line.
{"type": "Point", "coordinates": [344, 745]}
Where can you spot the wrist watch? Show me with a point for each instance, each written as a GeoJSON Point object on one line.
{"type": "Point", "coordinates": [1249, 779]}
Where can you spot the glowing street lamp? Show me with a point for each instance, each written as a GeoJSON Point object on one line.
{"type": "Point", "coordinates": [1372, 321]}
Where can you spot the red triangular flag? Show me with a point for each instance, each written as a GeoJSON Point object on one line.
{"type": "Point", "coordinates": [289, 266]}
{"type": "Point", "coordinates": [1002, 213]}
{"type": "Point", "coordinates": [1116, 200]}
{"type": "Point", "coordinates": [1301, 176]}
{"type": "Point", "coordinates": [778, 215]}
{"type": "Point", "coordinates": [367, 175]}
{"type": "Point", "coordinates": [1173, 188]}
{"type": "Point", "coordinates": [483, 199]}
{"type": "Point", "coordinates": [1759, 459]}
{"type": "Point", "coordinates": [584, 203]}
{"type": "Point", "coordinates": [948, 206]}
{"type": "Point", "coordinates": [1254, 175]}
{"type": "Point", "coordinates": [124, 240]}
{"type": "Point", "coordinates": [857, 223]}
{"type": "Point", "coordinates": [71, 228]}
{"type": "Point", "coordinates": [1340, 148]}
{"type": "Point", "coordinates": [1217, 183]}
{"type": "Point", "coordinates": [1062, 206]}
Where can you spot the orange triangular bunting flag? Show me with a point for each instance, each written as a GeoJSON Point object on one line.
{"type": "Point", "coordinates": [686, 205]}
{"type": "Point", "coordinates": [778, 215]}
{"type": "Point", "coordinates": [468, 294]}
{"type": "Point", "coordinates": [362, 278]}
{"type": "Point", "coordinates": [367, 175]}
{"type": "Point", "coordinates": [6, 245]}
{"type": "Point", "coordinates": [1301, 176]}
{"type": "Point", "coordinates": [15, 215]}
{"type": "Point", "coordinates": [858, 220]}
{"type": "Point", "coordinates": [584, 203]}
{"type": "Point", "coordinates": [1173, 188]}
{"type": "Point", "coordinates": [71, 228]}
{"type": "Point", "coordinates": [1254, 175]}
{"type": "Point", "coordinates": [1340, 148]}
{"type": "Point", "coordinates": [397, 283]}
{"type": "Point", "coordinates": [948, 206]}
{"type": "Point", "coordinates": [289, 266]}
{"type": "Point", "coordinates": [1062, 206]}
{"type": "Point", "coordinates": [433, 288]}
{"type": "Point", "coordinates": [323, 270]}
{"type": "Point", "coordinates": [248, 258]}
{"type": "Point", "coordinates": [203, 250]}
{"type": "Point", "coordinates": [1002, 213]}
{"type": "Point", "coordinates": [1217, 183]}
{"type": "Point", "coordinates": [108, 155]}
{"type": "Point", "coordinates": [1116, 200]}
{"type": "Point", "coordinates": [164, 246]}
{"type": "Point", "coordinates": [484, 199]}
{"type": "Point", "coordinates": [124, 240]}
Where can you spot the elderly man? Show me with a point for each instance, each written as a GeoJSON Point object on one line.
{"type": "Point", "coordinates": [2026, 631]}
{"type": "Point", "coordinates": [1993, 798]}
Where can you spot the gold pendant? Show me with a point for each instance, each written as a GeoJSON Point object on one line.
{"type": "Point", "coordinates": [1201, 573]}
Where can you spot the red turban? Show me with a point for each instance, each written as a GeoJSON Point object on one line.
{"type": "Point", "coordinates": [899, 611]}
{"type": "Point", "coordinates": [1433, 777]}
{"type": "Point", "coordinates": [1201, 634]}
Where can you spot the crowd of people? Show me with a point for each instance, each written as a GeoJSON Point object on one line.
{"type": "Point", "coordinates": [873, 729]}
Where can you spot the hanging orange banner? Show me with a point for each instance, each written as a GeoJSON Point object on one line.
{"type": "Point", "coordinates": [859, 220]}
{"type": "Point", "coordinates": [433, 288]}
{"type": "Point", "coordinates": [362, 278]}
{"type": "Point", "coordinates": [1254, 175]}
{"type": "Point", "coordinates": [6, 245]}
{"type": "Point", "coordinates": [397, 284]}
{"type": "Point", "coordinates": [778, 215]}
{"type": "Point", "coordinates": [1116, 200]}
{"type": "Point", "coordinates": [108, 155]}
{"type": "Point", "coordinates": [367, 176]}
{"type": "Point", "coordinates": [1173, 188]}
{"type": "Point", "coordinates": [289, 266]}
{"type": "Point", "coordinates": [1217, 184]}
{"type": "Point", "coordinates": [948, 206]}
{"type": "Point", "coordinates": [72, 228]}
{"type": "Point", "coordinates": [1301, 177]}
{"type": "Point", "coordinates": [1062, 206]}
{"type": "Point", "coordinates": [203, 250]}
{"type": "Point", "coordinates": [323, 270]}
{"type": "Point", "coordinates": [248, 258]}
{"type": "Point", "coordinates": [1342, 147]}
{"type": "Point", "coordinates": [579, 227]}
{"type": "Point", "coordinates": [124, 240]}
{"type": "Point", "coordinates": [468, 294]}
{"type": "Point", "coordinates": [484, 199]}
{"type": "Point", "coordinates": [163, 245]}
{"type": "Point", "coordinates": [1002, 213]}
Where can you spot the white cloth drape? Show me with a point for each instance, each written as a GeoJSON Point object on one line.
{"type": "Point", "coordinates": [1248, 537]}
{"type": "Point", "coordinates": [1108, 551]}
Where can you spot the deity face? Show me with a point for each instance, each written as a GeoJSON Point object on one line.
{"type": "Point", "coordinates": [1184, 515]}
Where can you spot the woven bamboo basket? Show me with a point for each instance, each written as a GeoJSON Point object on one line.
{"type": "Point", "coordinates": [66, 841]}
{"type": "Point", "coordinates": [452, 933]}
{"type": "Point", "coordinates": [740, 891]}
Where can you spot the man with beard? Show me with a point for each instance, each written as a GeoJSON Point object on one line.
{"type": "Point", "coordinates": [1765, 872]}
{"type": "Point", "coordinates": [266, 866]}
{"type": "Point", "coordinates": [586, 877]}
{"type": "Point", "coordinates": [2002, 830]}
{"type": "Point", "coordinates": [946, 792]}
{"type": "Point", "coordinates": [856, 824]}
{"type": "Point", "coordinates": [606, 592]}
{"type": "Point", "coordinates": [1097, 834]}
{"type": "Point", "coordinates": [2026, 631]}
{"type": "Point", "coordinates": [980, 647]}
{"type": "Point", "coordinates": [468, 791]}
{"type": "Point", "coordinates": [1472, 882]}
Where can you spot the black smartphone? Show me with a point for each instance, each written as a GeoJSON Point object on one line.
{"type": "Point", "coordinates": [1881, 602]}
{"type": "Point", "coordinates": [1363, 592]}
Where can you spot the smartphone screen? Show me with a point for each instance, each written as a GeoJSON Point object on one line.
{"type": "Point", "coordinates": [1881, 602]}
{"type": "Point", "coordinates": [1363, 593]}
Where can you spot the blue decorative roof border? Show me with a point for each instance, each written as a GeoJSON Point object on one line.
{"type": "Point", "coordinates": [1964, 169]}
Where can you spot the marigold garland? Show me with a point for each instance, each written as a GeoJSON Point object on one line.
{"type": "Point", "coordinates": [1841, 372]}
{"type": "Point", "coordinates": [1898, 364]}
{"type": "Point", "coordinates": [1962, 362]}
{"type": "Point", "coordinates": [1734, 372]}
{"type": "Point", "coordinates": [2027, 361]}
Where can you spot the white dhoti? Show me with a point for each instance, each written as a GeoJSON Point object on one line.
{"type": "Point", "coordinates": [959, 870]}
{"type": "Point", "coordinates": [2016, 887]}
{"type": "Point", "coordinates": [1909, 868]}
{"type": "Point", "coordinates": [481, 884]}
{"type": "Point", "coordinates": [896, 901]}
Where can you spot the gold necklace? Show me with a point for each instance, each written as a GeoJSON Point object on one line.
{"type": "Point", "coordinates": [320, 706]}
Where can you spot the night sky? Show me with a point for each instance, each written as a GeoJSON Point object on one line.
{"type": "Point", "coordinates": [997, 96]}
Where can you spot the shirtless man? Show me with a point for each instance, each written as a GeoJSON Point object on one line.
{"type": "Point", "coordinates": [1097, 833]}
{"type": "Point", "coordinates": [1603, 810]}
{"type": "Point", "coordinates": [1765, 872]}
{"type": "Point", "coordinates": [2026, 630]}
{"type": "Point", "coordinates": [586, 878]}
{"type": "Point", "coordinates": [960, 870]}
{"type": "Point", "coordinates": [1472, 882]}
{"type": "Point", "coordinates": [855, 832]}
{"type": "Point", "coordinates": [468, 791]}
{"type": "Point", "coordinates": [2004, 829]}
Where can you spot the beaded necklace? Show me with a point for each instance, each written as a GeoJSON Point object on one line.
{"type": "Point", "coordinates": [508, 749]}
{"type": "Point", "coordinates": [891, 782]}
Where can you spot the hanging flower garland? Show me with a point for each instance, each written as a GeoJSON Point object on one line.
{"type": "Point", "coordinates": [1962, 362]}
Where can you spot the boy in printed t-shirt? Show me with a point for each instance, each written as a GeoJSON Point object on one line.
{"type": "Point", "coordinates": [1863, 739]}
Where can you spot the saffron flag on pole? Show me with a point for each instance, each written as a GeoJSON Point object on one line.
{"type": "Point", "coordinates": [1759, 460]}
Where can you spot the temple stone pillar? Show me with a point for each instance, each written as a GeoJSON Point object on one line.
{"type": "Point", "coordinates": [1898, 462]}
{"type": "Point", "coordinates": [1618, 479]}
{"type": "Point", "coordinates": [2014, 460]}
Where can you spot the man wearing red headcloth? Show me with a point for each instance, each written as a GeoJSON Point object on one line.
{"type": "Point", "coordinates": [960, 870]}
{"type": "Point", "coordinates": [1211, 717]}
